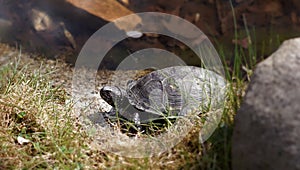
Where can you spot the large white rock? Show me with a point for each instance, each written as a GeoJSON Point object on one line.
{"type": "Point", "coordinates": [267, 126]}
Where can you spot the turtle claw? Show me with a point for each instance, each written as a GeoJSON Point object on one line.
{"type": "Point", "coordinates": [137, 121]}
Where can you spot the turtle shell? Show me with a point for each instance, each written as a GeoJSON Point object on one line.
{"type": "Point", "coordinates": [175, 91]}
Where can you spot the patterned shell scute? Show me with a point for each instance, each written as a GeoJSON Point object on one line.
{"type": "Point", "coordinates": [176, 90]}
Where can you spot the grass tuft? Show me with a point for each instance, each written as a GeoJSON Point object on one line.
{"type": "Point", "coordinates": [31, 108]}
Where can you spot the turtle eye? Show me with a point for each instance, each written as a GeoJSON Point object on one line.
{"type": "Point", "coordinates": [110, 93]}
{"type": "Point", "coordinates": [106, 94]}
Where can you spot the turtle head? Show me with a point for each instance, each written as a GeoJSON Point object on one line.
{"type": "Point", "coordinates": [111, 94]}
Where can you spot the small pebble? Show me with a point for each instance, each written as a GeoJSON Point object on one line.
{"type": "Point", "coordinates": [22, 140]}
{"type": "Point", "coordinates": [134, 34]}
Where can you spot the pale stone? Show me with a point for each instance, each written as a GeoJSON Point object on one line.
{"type": "Point", "coordinates": [267, 126]}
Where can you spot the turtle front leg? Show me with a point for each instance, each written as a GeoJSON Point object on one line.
{"type": "Point", "coordinates": [111, 115]}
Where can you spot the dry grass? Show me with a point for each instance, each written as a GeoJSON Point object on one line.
{"type": "Point", "coordinates": [31, 107]}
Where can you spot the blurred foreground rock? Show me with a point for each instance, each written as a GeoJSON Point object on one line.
{"type": "Point", "coordinates": [267, 129]}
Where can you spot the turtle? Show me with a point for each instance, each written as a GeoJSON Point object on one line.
{"type": "Point", "coordinates": [168, 92]}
